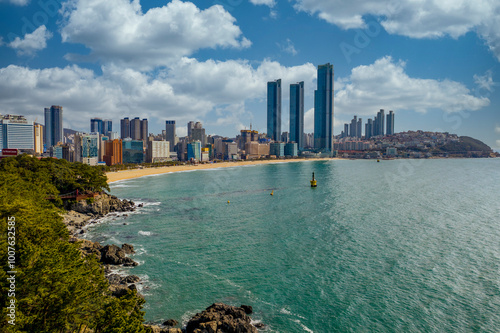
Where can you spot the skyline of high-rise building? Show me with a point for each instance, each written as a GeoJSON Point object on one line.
{"type": "Point", "coordinates": [198, 134]}
{"type": "Point", "coordinates": [379, 123]}
{"type": "Point", "coordinates": [353, 127]}
{"type": "Point", "coordinates": [135, 128]}
{"type": "Point", "coordinates": [53, 125]}
{"type": "Point", "coordinates": [297, 114]}
{"type": "Point", "coordinates": [190, 126]}
{"type": "Point", "coordinates": [274, 110]}
{"type": "Point", "coordinates": [323, 108]}
{"type": "Point", "coordinates": [125, 128]}
{"type": "Point", "coordinates": [390, 123]}
{"type": "Point", "coordinates": [96, 125]}
{"type": "Point", "coordinates": [170, 133]}
{"type": "Point", "coordinates": [144, 130]}
{"type": "Point", "coordinates": [107, 126]}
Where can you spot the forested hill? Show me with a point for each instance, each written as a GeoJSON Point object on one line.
{"type": "Point", "coordinates": [466, 144]}
{"type": "Point", "coordinates": [55, 288]}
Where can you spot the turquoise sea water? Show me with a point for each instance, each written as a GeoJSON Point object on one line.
{"type": "Point", "coordinates": [396, 246]}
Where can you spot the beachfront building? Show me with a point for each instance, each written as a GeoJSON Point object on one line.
{"type": "Point", "coordinates": [323, 109]}
{"type": "Point", "coordinates": [158, 151]}
{"type": "Point", "coordinates": [297, 113]}
{"type": "Point", "coordinates": [133, 151]}
{"type": "Point", "coordinates": [113, 152]}
{"type": "Point", "coordinates": [291, 149]}
{"type": "Point", "coordinates": [231, 151]}
{"type": "Point", "coordinates": [274, 110]}
{"type": "Point", "coordinates": [205, 154]}
{"type": "Point", "coordinates": [277, 149]}
{"type": "Point", "coordinates": [194, 151]}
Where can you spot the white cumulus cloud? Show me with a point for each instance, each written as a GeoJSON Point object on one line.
{"type": "Point", "coordinates": [416, 19]}
{"type": "Point", "coordinates": [270, 3]}
{"type": "Point", "coordinates": [31, 42]}
{"type": "Point", "coordinates": [385, 85]}
{"type": "Point", "coordinates": [118, 31]}
{"type": "Point", "coordinates": [189, 91]}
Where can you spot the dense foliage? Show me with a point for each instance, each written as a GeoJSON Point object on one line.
{"type": "Point", "coordinates": [466, 144]}
{"type": "Point", "coordinates": [57, 289]}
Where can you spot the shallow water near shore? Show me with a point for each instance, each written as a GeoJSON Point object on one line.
{"type": "Point", "coordinates": [396, 246]}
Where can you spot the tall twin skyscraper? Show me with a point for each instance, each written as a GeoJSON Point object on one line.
{"type": "Point", "coordinates": [297, 114]}
{"type": "Point", "coordinates": [274, 110]}
{"type": "Point", "coordinates": [53, 125]}
{"type": "Point", "coordinates": [323, 110]}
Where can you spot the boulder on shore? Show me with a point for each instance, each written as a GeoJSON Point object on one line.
{"type": "Point", "coordinates": [221, 318]}
{"type": "Point", "coordinates": [129, 249]}
{"type": "Point", "coordinates": [158, 329]}
{"type": "Point", "coordinates": [113, 255]}
{"type": "Point", "coordinates": [170, 322]}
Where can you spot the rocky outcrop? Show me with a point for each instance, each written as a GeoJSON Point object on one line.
{"type": "Point", "coordinates": [102, 205]}
{"type": "Point", "coordinates": [113, 255]}
{"type": "Point", "coordinates": [221, 318]}
{"type": "Point", "coordinates": [129, 249]}
{"type": "Point", "coordinates": [159, 329]}
{"type": "Point", "coordinates": [109, 254]}
{"type": "Point", "coordinates": [170, 323]}
{"type": "Point", "coordinates": [120, 279]}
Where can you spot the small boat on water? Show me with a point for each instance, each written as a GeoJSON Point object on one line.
{"type": "Point", "coordinates": [313, 182]}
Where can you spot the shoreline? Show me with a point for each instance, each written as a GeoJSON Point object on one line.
{"type": "Point", "coordinates": [116, 176]}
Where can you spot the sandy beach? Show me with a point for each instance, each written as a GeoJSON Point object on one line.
{"type": "Point", "coordinates": [136, 173]}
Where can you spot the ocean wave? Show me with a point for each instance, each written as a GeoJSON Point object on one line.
{"type": "Point", "coordinates": [304, 327]}
{"type": "Point", "coordinates": [115, 185]}
{"type": "Point", "coordinates": [141, 250]}
{"type": "Point", "coordinates": [145, 233]}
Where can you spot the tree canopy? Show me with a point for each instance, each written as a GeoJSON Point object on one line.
{"type": "Point", "coordinates": [57, 288]}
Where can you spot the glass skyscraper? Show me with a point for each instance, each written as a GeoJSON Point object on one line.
{"type": "Point", "coordinates": [323, 109]}
{"type": "Point", "coordinates": [53, 125]}
{"type": "Point", "coordinates": [274, 110]}
{"type": "Point", "coordinates": [96, 125]}
{"type": "Point", "coordinates": [107, 127]}
{"type": "Point", "coordinates": [297, 114]}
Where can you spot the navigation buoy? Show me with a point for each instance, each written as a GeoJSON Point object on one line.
{"type": "Point", "coordinates": [272, 192]}
{"type": "Point", "coordinates": [313, 182]}
{"type": "Point", "coordinates": [228, 201]}
{"type": "Point", "coordinates": [378, 160]}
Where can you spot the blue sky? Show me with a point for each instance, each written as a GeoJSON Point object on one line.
{"type": "Point", "coordinates": [435, 63]}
